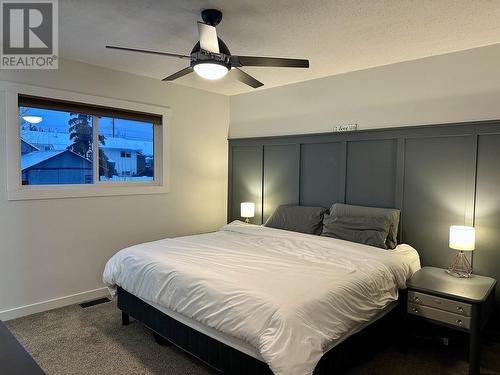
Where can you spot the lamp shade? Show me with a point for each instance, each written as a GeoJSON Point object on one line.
{"type": "Point", "coordinates": [462, 238]}
{"type": "Point", "coordinates": [247, 209]}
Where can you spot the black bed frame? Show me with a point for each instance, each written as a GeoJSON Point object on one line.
{"type": "Point", "coordinates": [231, 361]}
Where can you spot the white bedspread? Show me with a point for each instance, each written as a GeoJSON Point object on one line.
{"type": "Point", "coordinates": [292, 296]}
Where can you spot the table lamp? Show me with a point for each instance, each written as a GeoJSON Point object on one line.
{"type": "Point", "coordinates": [462, 238]}
{"type": "Point", "coordinates": [247, 210]}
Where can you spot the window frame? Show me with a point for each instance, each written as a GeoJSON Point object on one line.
{"type": "Point", "coordinates": [9, 93]}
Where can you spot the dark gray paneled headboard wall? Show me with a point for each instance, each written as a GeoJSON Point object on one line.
{"type": "Point", "coordinates": [438, 175]}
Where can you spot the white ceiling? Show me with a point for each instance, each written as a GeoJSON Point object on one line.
{"type": "Point", "coordinates": [337, 36]}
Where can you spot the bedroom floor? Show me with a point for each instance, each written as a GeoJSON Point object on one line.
{"type": "Point", "coordinates": [75, 340]}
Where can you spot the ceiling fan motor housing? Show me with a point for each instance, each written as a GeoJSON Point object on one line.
{"type": "Point", "coordinates": [211, 17]}
{"type": "Point", "coordinates": [199, 56]}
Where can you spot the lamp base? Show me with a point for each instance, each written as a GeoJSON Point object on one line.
{"type": "Point", "coordinates": [247, 220]}
{"type": "Point", "coordinates": [461, 267]}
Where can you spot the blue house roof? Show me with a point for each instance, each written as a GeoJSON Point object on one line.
{"type": "Point", "coordinates": [37, 157]}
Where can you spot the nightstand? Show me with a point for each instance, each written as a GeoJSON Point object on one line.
{"type": "Point", "coordinates": [461, 304]}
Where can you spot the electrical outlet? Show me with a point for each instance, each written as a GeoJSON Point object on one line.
{"type": "Point", "coordinates": [345, 128]}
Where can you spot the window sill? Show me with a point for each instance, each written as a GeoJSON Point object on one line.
{"type": "Point", "coordinates": [77, 191]}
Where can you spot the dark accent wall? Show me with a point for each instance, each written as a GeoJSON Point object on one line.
{"type": "Point", "coordinates": [245, 184]}
{"type": "Point", "coordinates": [438, 175]}
{"type": "Point", "coordinates": [281, 177]}
{"type": "Point", "coordinates": [371, 172]}
{"type": "Point", "coordinates": [322, 172]}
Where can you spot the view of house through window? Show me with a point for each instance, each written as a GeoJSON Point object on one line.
{"type": "Point", "coordinates": [126, 150]}
{"type": "Point", "coordinates": [62, 147]}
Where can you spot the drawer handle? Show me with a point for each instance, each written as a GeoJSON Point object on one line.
{"type": "Point", "coordinates": [416, 299]}
{"type": "Point", "coordinates": [460, 309]}
{"type": "Point", "coordinates": [459, 322]}
{"type": "Point", "coordinates": [415, 310]}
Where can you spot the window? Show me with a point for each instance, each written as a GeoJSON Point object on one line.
{"type": "Point", "coordinates": [72, 143]}
{"type": "Point", "coordinates": [125, 154]}
{"type": "Point", "coordinates": [137, 138]}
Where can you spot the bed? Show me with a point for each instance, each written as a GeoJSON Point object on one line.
{"type": "Point", "coordinates": [275, 296]}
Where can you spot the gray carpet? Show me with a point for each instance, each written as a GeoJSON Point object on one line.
{"type": "Point", "coordinates": [89, 341]}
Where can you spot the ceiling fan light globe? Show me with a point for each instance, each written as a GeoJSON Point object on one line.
{"type": "Point", "coordinates": [33, 119]}
{"type": "Point", "coordinates": [210, 71]}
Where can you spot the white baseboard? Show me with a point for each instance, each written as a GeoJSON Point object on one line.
{"type": "Point", "coordinates": [55, 303]}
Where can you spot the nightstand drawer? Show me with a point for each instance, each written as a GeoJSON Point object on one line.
{"type": "Point", "coordinates": [439, 303]}
{"type": "Point", "coordinates": [439, 315]}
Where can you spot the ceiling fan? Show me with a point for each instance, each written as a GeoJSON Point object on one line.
{"type": "Point", "coordinates": [210, 58]}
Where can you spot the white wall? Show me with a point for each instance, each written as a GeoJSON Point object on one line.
{"type": "Point", "coordinates": [456, 87]}
{"type": "Point", "coordinates": [51, 249]}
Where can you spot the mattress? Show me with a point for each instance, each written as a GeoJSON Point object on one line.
{"type": "Point", "coordinates": [289, 296]}
{"type": "Point", "coordinates": [238, 344]}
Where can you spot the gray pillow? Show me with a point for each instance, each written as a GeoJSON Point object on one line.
{"type": "Point", "coordinates": [393, 214]}
{"type": "Point", "coordinates": [371, 231]}
{"type": "Point", "coordinates": [297, 219]}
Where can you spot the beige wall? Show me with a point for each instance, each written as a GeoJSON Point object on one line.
{"type": "Point", "coordinates": [50, 249]}
{"type": "Point", "coordinates": [457, 87]}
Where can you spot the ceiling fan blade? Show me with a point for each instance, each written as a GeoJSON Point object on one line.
{"type": "Point", "coordinates": [179, 74]}
{"type": "Point", "coordinates": [269, 61]}
{"type": "Point", "coordinates": [150, 52]}
{"type": "Point", "coordinates": [208, 37]}
{"type": "Point", "coordinates": [246, 78]}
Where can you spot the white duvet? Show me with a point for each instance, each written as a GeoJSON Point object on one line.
{"type": "Point", "coordinates": [291, 296]}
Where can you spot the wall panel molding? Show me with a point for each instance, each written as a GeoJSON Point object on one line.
{"type": "Point", "coordinates": [322, 173]}
{"type": "Point", "coordinates": [371, 173]}
{"type": "Point", "coordinates": [438, 175]}
{"type": "Point", "coordinates": [281, 169]}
